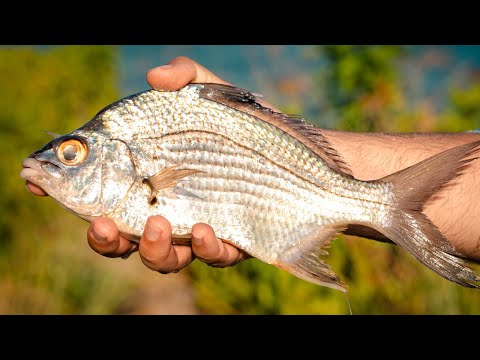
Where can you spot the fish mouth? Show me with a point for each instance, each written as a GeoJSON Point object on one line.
{"type": "Point", "coordinates": [37, 171]}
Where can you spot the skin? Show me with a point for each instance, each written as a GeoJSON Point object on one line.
{"type": "Point", "coordinates": [455, 211]}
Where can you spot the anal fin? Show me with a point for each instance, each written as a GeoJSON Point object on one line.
{"type": "Point", "coordinates": [303, 260]}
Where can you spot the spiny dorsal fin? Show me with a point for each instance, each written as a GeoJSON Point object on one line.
{"type": "Point", "coordinates": [166, 178]}
{"type": "Point", "coordinates": [295, 126]}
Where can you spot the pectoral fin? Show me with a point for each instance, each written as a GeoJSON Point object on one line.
{"type": "Point", "coordinates": [165, 179]}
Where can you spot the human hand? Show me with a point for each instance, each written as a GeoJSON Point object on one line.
{"type": "Point", "coordinates": [155, 247]}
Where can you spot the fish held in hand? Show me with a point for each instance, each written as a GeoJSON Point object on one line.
{"type": "Point", "coordinates": [268, 183]}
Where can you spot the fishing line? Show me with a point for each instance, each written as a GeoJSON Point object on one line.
{"type": "Point", "coordinates": [348, 303]}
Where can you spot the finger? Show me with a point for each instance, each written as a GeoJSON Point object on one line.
{"type": "Point", "coordinates": [104, 238]}
{"type": "Point", "coordinates": [34, 189]}
{"type": "Point", "coordinates": [156, 249]}
{"type": "Point", "coordinates": [180, 72]}
{"type": "Point", "coordinates": [213, 251]}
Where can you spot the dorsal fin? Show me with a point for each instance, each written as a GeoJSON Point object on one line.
{"type": "Point", "coordinates": [245, 101]}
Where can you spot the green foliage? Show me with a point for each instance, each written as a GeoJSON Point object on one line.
{"type": "Point", "coordinates": [360, 84]}
{"type": "Point", "coordinates": [253, 287]}
{"type": "Point", "coordinates": [46, 266]}
{"type": "Point", "coordinates": [464, 112]}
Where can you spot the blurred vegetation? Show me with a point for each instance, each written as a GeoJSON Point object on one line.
{"type": "Point", "coordinates": [46, 266]}
{"type": "Point", "coordinates": [364, 92]}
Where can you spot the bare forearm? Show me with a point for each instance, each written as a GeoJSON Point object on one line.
{"type": "Point", "coordinates": [456, 209]}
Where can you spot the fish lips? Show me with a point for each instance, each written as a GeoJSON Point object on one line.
{"type": "Point", "coordinates": [38, 172]}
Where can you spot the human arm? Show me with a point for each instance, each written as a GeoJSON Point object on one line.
{"type": "Point", "coordinates": [455, 209]}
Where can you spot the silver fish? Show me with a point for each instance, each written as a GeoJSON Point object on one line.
{"type": "Point", "coordinates": [266, 182]}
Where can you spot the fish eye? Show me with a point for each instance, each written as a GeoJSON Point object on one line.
{"type": "Point", "coordinates": [72, 151]}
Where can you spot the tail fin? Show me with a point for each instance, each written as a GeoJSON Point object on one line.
{"type": "Point", "coordinates": [412, 230]}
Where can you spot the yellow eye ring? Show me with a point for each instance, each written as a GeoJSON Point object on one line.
{"type": "Point", "coordinates": [72, 152]}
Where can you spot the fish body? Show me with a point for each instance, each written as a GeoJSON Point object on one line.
{"type": "Point", "coordinates": [267, 183]}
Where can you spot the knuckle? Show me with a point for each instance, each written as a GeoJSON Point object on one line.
{"type": "Point", "coordinates": [148, 258]}
{"type": "Point", "coordinates": [220, 254]}
{"type": "Point", "coordinates": [152, 264]}
{"type": "Point", "coordinates": [180, 59]}
{"type": "Point", "coordinates": [152, 253]}
{"type": "Point", "coordinates": [213, 255]}
{"type": "Point", "coordinates": [241, 256]}
{"type": "Point", "coordinates": [106, 249]}
{"type": "Point", "coordinates": [209, 259]}
{"type": "Point", "coordinates": [158, 262]}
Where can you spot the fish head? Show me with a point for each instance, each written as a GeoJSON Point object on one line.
{"type": "Point", "coordinates": [86, 172]}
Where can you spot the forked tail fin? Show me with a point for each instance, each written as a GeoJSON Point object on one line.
{"type": "Point", "coordinates": [411, 229]}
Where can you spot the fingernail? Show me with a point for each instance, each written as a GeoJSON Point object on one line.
{"type": "Point", "coordinates": [98, 235]}
{"type": "Point", "coordinates": [163, 67]}
{"type": "Point", "coordinates": [151, 233]}
{"type": "Point", "coordinates": [197, 240]}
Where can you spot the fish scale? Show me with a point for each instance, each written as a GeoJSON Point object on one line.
{"type": "Point", "coordinates": [182, 146]}
{"type": "Point", "coordinates": [243, 128]}
{"type": "Point", "coordinates": [266, 182]}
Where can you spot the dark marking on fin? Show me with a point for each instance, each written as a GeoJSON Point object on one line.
{"type": "Point", "coordinates": [245, 101]}
{"type": "Point", "coordinates": [166, 178]}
